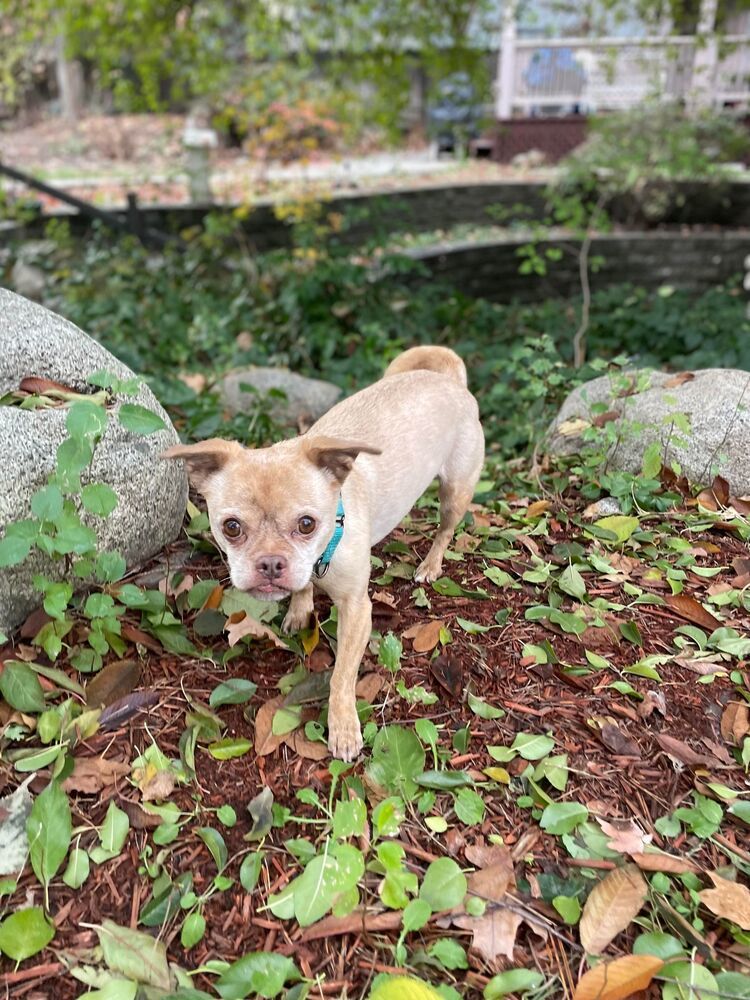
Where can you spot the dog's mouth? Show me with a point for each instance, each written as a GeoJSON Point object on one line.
{"type": "Point", "coordinates": [269, 592]}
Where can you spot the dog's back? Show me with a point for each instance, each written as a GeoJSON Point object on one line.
{"type": "Point", "coordinates": [433, 359]}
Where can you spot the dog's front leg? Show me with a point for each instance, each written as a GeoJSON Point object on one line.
{"type": "Point", "coordinates": [353, 634]}
{"type": "Point", "coordinates": [301, 610]}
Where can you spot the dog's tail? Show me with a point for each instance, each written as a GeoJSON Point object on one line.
{"type": "Point", "coordinates": [432, 359]}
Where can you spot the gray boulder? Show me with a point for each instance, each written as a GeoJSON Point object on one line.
{"type": "Point", "coordinates": [151, 494]}
{"type": "Point", "coordinates": [306, 399]}
{"type": "Point", "coordinates": [716, 402]}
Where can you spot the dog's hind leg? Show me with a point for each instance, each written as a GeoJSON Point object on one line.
{"type": "Point", "coordinates": [458, 480]}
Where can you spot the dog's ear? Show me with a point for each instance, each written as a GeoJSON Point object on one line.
{"type": "Point", "coordinates": [336, 456]}
{"type": "Point", "coordinates": [205, 459]}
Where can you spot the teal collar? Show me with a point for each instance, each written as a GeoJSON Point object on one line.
{"type": "Point", "coordinates": [321, 566]}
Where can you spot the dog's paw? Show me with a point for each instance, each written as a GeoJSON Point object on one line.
{"type": "Point", "coordinates": [295, 620]}
{"type": "Point", "coordinates": [428, 570]}
{"type": "Point", "coordinates": [345, 738]}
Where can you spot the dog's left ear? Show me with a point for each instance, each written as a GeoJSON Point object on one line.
{"type": "Point", "coordinates": [335, 455]}
{"type": "Point", "coordinates": [205, 459]}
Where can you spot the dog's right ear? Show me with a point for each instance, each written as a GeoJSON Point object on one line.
{"type": "Point", "coordinates": [205, 459]}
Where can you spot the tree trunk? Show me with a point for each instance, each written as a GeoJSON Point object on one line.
{"type": "Point", "coordinates": [69, 82]}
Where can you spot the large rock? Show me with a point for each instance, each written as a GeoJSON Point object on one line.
{"type": "Point", "coordinates": [152, 494]}
{"type": "Point", "coordinates": [716, 402]}
{"type": "Point", "coordinates": [305, 399]}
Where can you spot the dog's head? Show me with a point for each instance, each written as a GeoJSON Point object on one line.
{"type": "Point", "coordinates": [272, 510]}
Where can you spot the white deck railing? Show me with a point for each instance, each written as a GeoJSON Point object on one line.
{"type": "Point", "coordinates": [548, 75]}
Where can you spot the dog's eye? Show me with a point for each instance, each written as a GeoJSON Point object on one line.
{"type": "Point", "coordinates": [306, 525]}
{"type": "Point", "coordinates": [232, 528]}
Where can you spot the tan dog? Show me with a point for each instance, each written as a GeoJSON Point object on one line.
{"type": "Point", "coordinates": [274, 510]}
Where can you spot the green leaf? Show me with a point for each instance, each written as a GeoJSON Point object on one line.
{"type": "Point", "coordinates": [14, 548]}
{"type": "Point", "coordinates": [416, 914]}
{"type": "Point", "coordinates": [286, 719]}
{"type": "Point", "coordinates": [250, 870]}
{"type": "Point", "coordinates": [449, 953]}
{"type": "Point", "coordinates": [397, 758]}
{"type": "Point", "coordinates": [325, 878]}
{"type": "Point", "coordinates": [483, 708]}
{"type": "Point", "coordinates": [192, 930]}
{"type": "Point", "coordinates": [630, 631]}
{"type": "Point", "coordinates": [741, 810]}
{"type": "Point", "coordinates": [20, 687]}
{"type": "Point", "coordinates": [620, 525]}
{"type": "Point", "coordinates": [469, 806]}
{"type": "Point", "coordinates": [349, 819]}
{"type": "Point", "coordinates": [261, 972]}
{"type": "Point", "coordinates": [733, 984]}
{"type": "Point", "coordinates": [78, 868]}
{"type": "Point", "coordinates": [693, 982]}
{"type": "Point", "coordinates": [499, 577]}
{"type": "Point", "coordinates": [112, 835]}
{"type": "Point", "coordinates": [139, 420]}
{"type": "Point", "coordinates": [652, 460]}
{"type": "Point", "coordinates": [554, 770]}
{"type": "Point", "coordinates": [532, 746]}
{"type": "Point", "coordinates": [230, 747]}
{"type": "Point", "coordinates": [568, 907]}
{"type": "Point", "coordinates": [47, 503]}
{"type": "Point", "coordinates": [658, 944]}
{"type": "Point", "coordinates": [472, 628]}
{"type": "Point", "coordinates": [99, 498]}
{"type": "Point", "coordinates": [24, 933]}
{"type": "Point", "coordinates": [571, 582]}
{"type": "Point", "coordinates": [389, 654]}
{"type": "Point", "coordinates": [216, 845]}
{"type": "Point", "coordinates": [563, 817]}
{"type": "Point", "coordinates": [444, 780]}
{"type": "Point", "coordinates": [444, 885]}
{"type": "Point", "coordinates": [135, 954]}
{"type": "Point", "coordinates": [86, 420]}
{"type": "Point", "coordinates": [513, 981]}
{"type": "Point", "coordinates": [49, 831]}
{"type": "Point", "coordinates": [235, 691]}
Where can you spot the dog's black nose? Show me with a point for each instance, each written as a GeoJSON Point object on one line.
{"type": "Point", "coordinates": [271, 566]}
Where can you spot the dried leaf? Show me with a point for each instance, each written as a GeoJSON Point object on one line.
{"type": "Point", "coordinates": [618, 742]}
{"type": "Point", "coordinates": [139, 818]}
{"type": "Point", "coordinates": [679, 379]}
{"type": "Point", "coordinates": [14, 841]}
{"type": "Point", "coordinates": [682, 752]}
{"type": "Point", "coordinates": [728, 900]}
{"type": "Point", "coordinates": [92, 774]}
{"type": "Point", "coordinates": [384, 597]}
{"type": "Point", "coordinates": [309, 749]}
{"type": "Point", "coordinates": [735, 722]}
{"type": "Point", "coordinates": [265, 739]}
{"type": "Point", "coordinates": [624, 835]}
{"type": "Point", "coordinates": [688, 608]}
{"type": "Point", "coordinates": [572, 428]}
{"type": "Point", "coordinates": [158, 787]}
{"type": "Point", "coordinates": [619, 979]}
{"type": "Point", "coordinates": [656, 861]}
{"type": "Point", "coordinates": [653, 701]}
{"type": "Point", "coordinates": [538, 507]}
{"type": "Point", "coordinates": [369, 686]}
{"type": "Point", "coordinates": [357, 922]}
{"type": "Point", "coordinates": [241, 624]}
{"type": "Point", "coordinates": [613, 903]}
{"type": "Point", "coordinates": [494, 933]}
{"type": "Point", "coordinates": [39, 386]}
{"type": "Point", "coordinates": [425, 636]}
{"type": "Point", "coordinates": [115, 681]}
{"type": "Point", "coordinates": [125, 708]}
{"type": "Point", "coordinates": [447, 672]}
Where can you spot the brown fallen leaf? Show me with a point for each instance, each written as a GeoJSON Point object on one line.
{"type": "Point", "coordinates": [447, 671]}
{"type": "Point", "coordinates": [425, 636]}
{"type": "Point", "coordinates": [384, 597]}
{"type": "Point", "coordinates": [140, 638]}
{"type": "Point", "coordinates": [265, 740]}
{"type": "Point", "coordinates": [309, 749]}
{"type": "Point", "coordinates": [735, 722]}
{"type": "Point", "coordinates": [139, 818]}
{"type": "Point", "coordinates": [683, 753]}
{"type": "Point", "coordinates": [115, 681]}
{"type": "Point", "coordinates": [92, 774]}
{"type": "Point", "coordinates": [618, 979]}
{"type": "Point", "coordinates": [538, 507]}
{"type": "Point", "coordinates": [653, 701]}
{"type": "Point", "coordinates": [625, 836]}
{"type": "Point", "coordinates": [39, 386]}
{"type": "Point", "coordinates": [688, 608]}
{"type": "Point", "coordinates": [369, 686]}
{"type": "Point", "coordinates": [241, 624]}
{"type": "Point", "coordinates": [494, 933]}
{"type": "Point", "coordinates": [679, 379]}
{"type": "Point", "coordinates": [611, 906]}
{"type": "Point", "coordinates": [618, 742]}
{"type": "Point", "coordinates": [125, 708]}
{"type": "Point", "coordinates": [158, 787]}
{"type": "Point", "coordinates": [728, 900]}
{"type": "Point", "coordinates": [657, 861]}
{"type": "Point", "coordinates": [169, 588]}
